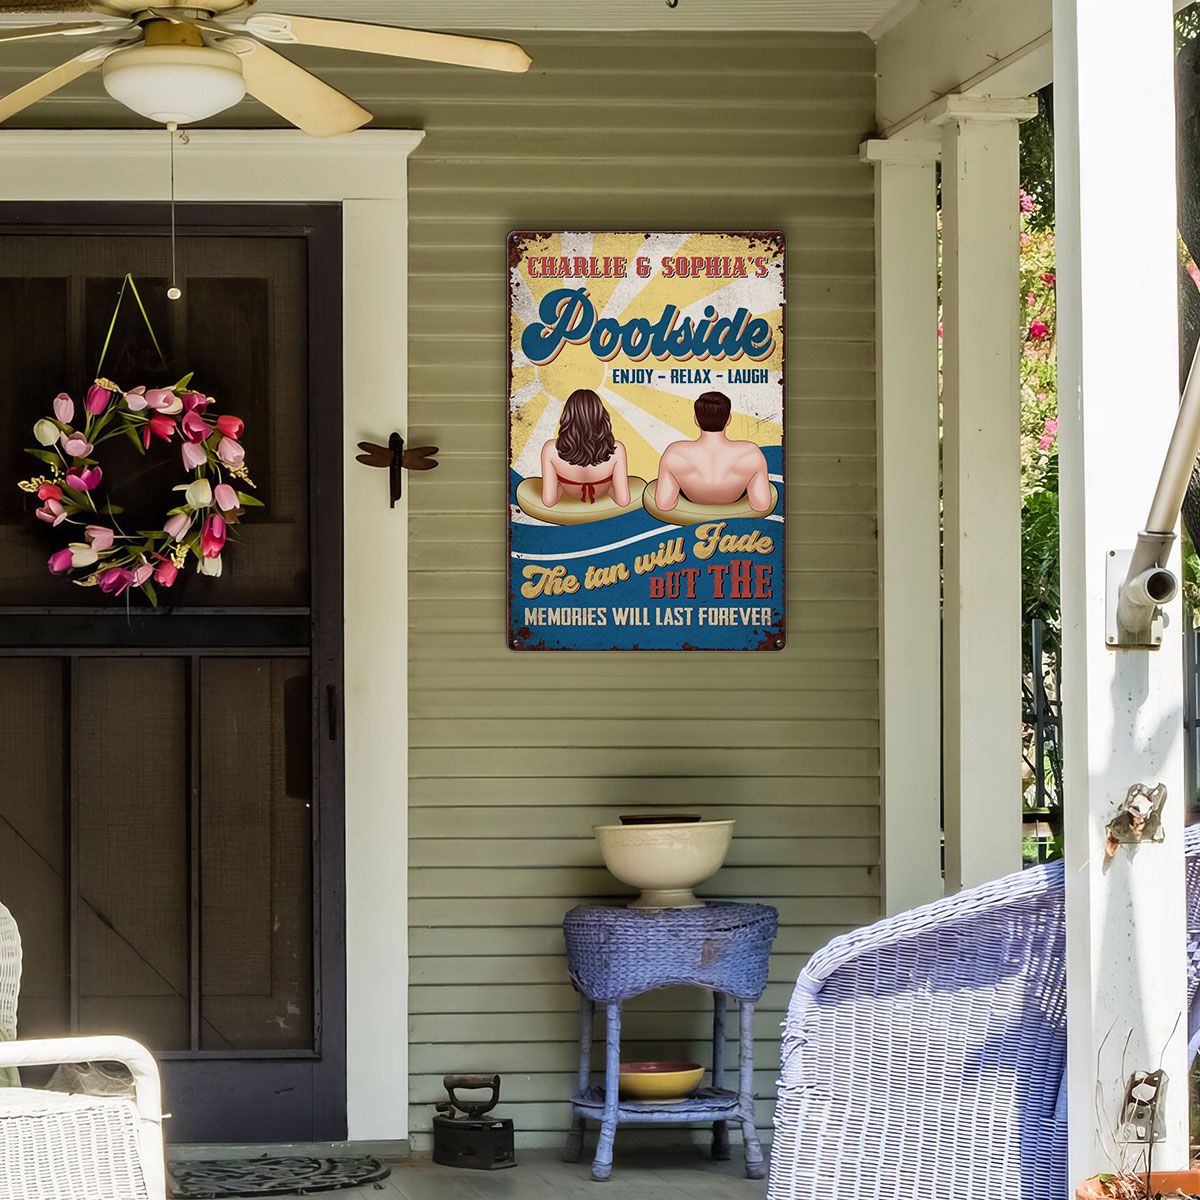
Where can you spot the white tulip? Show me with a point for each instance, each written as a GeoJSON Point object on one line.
{"type": "Point", "coordinates": [45, 431]}
{"type": "Point", "coordinates": [210, 566]}
{"type": "Point", "coordinates": [172, 406]}
{"type": "Point", "coordinates": [198, 493]}
{"type": "Point", "coordinates": [82, 555]}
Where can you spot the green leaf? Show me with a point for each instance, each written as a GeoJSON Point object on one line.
{"type": "Point", "coordinates": [182, 384]}
{"type": "Point", "coordinates": [132, 435]}
{"type": "Point", "coordinates": [148, 588]}
{"type": "Point", "coordinates": [113, 510]}
{"type": "Point", "coordinates": [47, 456]}
{"type": "Point", "coordinates": [248, 501]}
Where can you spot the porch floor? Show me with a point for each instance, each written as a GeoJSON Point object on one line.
{"type": "Point", "coordinates": [674, 1173]}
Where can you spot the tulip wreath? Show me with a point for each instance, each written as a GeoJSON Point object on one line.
{"type": "Point", "coordinates": [116, 560]}
{"type": "Point", "coordinates": [214, 498]}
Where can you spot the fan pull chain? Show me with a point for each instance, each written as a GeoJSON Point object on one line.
{"type": "Point", "coordinates": [173, 292]}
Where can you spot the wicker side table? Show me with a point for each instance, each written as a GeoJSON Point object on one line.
{"type": "Point", "coordinates": [616, 953]}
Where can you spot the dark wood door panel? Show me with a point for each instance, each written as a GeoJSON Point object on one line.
{"type": "Point", "coordinates": [171, 832]}
{"type": "Point", "coordinates": [241, 326]}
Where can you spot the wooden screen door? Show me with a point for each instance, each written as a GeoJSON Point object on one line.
{"type": "Point", "coordinates": [171, 825]}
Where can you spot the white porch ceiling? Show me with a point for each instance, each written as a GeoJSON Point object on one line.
{"type": "Point", "coordinates": [605, 14]}
{"type": "Point", "coordinates": [836, 15]}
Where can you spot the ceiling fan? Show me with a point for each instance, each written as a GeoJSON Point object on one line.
{"type": "Point", "coordinates": [180, 63]}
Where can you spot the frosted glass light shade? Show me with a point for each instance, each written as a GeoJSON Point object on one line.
{"type": "Point", "coordinates": [174, 83]}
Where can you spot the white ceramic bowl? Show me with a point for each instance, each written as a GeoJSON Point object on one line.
{"type": "Point", "coordinates": [665, 861]}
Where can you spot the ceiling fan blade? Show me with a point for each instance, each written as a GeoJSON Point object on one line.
{"type": "Point", "coordinates": [22, 33]}
{"type": "Point", "coordinates": [388, 39]}
{"type": "Point", "coordinates": [293, 92]}
{"type": "Point", "coordinates": [37, 89]}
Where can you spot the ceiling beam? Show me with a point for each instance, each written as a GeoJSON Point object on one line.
{"type": "Point", "coordinates": [972, 47]}
{"type": "Point", "coordinates": [929, 49]}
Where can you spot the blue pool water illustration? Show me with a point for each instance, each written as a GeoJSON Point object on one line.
{"type": "Point", "coordinates": [732, 600]}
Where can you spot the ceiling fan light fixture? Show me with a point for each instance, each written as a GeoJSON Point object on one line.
{"type": "Point", "coordinates": [177, 83]}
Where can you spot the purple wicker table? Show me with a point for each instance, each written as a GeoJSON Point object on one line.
{"type": "Point", "coordinates": [616, 953]}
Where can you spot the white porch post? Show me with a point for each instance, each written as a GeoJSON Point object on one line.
{"type": "Point", "coordinates": [1121, 709]}
{"type": "Point", "coordinates": [981, 487]}
{"type": "Point", "coordinates": [909, 519]}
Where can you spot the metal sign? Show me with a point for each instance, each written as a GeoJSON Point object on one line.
{"type": "Point", "coordinates": [645, 441]}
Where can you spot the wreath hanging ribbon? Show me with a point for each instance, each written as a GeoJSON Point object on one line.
{"type": "Point", "coordinates": [215, 494]}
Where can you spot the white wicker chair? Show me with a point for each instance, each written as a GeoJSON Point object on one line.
{"type": "Point", "coordinates": [55, 1146]}
{"type": "Point", "coordinates": [10, 984]}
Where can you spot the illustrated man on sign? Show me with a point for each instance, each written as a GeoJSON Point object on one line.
{"type": "Point", "coordinates": [712, 469]}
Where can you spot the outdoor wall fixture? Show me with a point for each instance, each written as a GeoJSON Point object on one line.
{"type": "Point", "coordinates": [394, 456]}
{"type": "Point", "coordinates": [1138, 581]}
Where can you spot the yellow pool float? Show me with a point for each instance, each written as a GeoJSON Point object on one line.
{"type": "Point", "coordinates": [569, 511]}
{"type": "Point", "coordinates": [687, 513]}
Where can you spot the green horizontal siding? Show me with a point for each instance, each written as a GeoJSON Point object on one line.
{"type": "Point", "coordinates": [515, 757]}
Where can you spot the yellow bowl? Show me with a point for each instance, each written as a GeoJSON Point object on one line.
{"type": "Point", "coordinates": [664, 1082]}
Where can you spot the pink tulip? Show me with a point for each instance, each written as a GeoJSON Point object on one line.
{"type": "Point", "coordinates": [99, 537]}
{"type": "Point", "coordinates": [161, 427]}
{"type": "Point", "coordinates": [193, 455]}
{"type": "Point", "coordinates": [165, 573]}
{"type": "Point", "coordinates": [195, 427]}
{"type": "Point", "coordinates": [52, 512]}
{"type": "Point", "coordinates": [141, 573]}
{"type": "Point", "coordinates": [85, 481]}
{"type": "Point", "coordinates": [230, 452]}
{"type": "Point", "coordinates": [225, 497]}
{"type": "Point", "coordinates": [115, 580]}
{"type": "Point", "coordinates": [60, 561]}
{"type": "Point", "coordinates": [231, 426]}
{"type": "Point", "coordinates": [76, 445]}
{"type": "Point", "coordinates": [176, 527]}
{"type": "Point", "coordinates": [212, 537]}
{"type": "Point", "coordinates": [157, 398]}
{"type": "Point", "coordinates": [49, 491]}
{"type": "Point", "coordinates": [97, 399]}
{"type": "Point", "coordinates": [135, 399]}
{"type": "Point", "coordinates": [64, 408]}
{"type": "Point", "coordinates": [194, 400]}
{"type": "Point", "coordinates": [1038, 330]}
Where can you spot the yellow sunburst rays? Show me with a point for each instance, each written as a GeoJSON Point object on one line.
{"type": "Point", "coordinates": [669, 406]}
{"type": "Point", "coordinates": [534, 413]}
{"type": "Point", "coordinates": [646, 417]}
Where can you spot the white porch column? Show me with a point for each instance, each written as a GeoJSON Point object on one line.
{"type": "Point", "coordinates": [906, 421]}
{"type": "Point", "coordinates": [1122, 710]}
{"type": "Point", "coordinates": [981, 487]}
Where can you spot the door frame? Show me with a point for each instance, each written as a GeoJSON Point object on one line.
{"type": "Point", "coordinates": [367, 174]}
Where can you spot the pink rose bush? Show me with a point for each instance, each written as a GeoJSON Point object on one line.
{"type": "Point", "coordinates": [213, 498]}
{"type": "Point", "coordinates": [1039, 370]}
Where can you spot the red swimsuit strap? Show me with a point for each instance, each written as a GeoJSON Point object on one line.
{"type": "Point", "coordinates": [587, 487]}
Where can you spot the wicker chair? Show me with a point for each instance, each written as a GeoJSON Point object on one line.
{"type": "Point", "coordinates": [10, 984]}
{"type": "Point", "coordinates": [926, 1055]}
{"type": "Point", "coordinates": [55, 1146]}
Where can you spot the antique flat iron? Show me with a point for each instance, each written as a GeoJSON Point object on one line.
{"type": "Point", "coordinates": [464, 1136]}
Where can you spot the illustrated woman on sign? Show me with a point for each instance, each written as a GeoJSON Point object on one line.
{"type": "Point", "coordinates": [585, 462]}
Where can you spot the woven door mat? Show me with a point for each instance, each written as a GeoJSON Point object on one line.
{"type": "Point", "coordinates": [297, 1176]}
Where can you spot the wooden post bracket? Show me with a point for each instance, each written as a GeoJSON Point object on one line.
{"type": "Point", "coordinates": [395, 457]}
